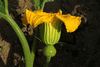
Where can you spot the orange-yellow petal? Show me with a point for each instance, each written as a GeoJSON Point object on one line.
{"type": "Point", "coordinates": [24, 21]}
{"type": "Point", "coordinates": [71, 22]}
{"type": "Point", "coordinates": [37, 17]}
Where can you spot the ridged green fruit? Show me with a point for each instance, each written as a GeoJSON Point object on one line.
{"type": "Point", "coordinates": [50, 32]}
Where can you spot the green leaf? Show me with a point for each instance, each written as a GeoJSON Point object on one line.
{"type": "Point", "coordinates": [2, 8]}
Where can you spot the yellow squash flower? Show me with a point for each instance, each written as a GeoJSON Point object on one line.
{"type": "Point", "coordinates": [38, 17]}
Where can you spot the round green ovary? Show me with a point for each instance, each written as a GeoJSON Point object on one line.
{"type": "Point", "coordinates": [49, 51]}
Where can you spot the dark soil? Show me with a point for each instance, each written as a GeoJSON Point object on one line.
{"type": "Point", "coordinates": [83, 45]}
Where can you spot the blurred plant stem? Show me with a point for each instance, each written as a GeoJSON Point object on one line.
{"type": "Point", "coordinates": [34, 47]}
{"type": "Point", "coordinates": [47, 62]}
{"type": "Point", "coordinates": [35, 39]}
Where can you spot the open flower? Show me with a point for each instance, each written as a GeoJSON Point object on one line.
{"type": "Point", "coordinates": [50, 28]}
{"type": "Point", "coordinates": [38, 17]}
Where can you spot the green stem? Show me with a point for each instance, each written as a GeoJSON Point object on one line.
{"type": "Point", "coordinates": [19, 34]}
{"type": "Point", "coordinates": [6, 7]}
{"type": "Point", "coordinates": [21, 38]}
{"type": "Point", "coordinates": [34, 46]}
{"type": "Point", "coordinates": [43, 3]}
{"type": "Point", "coordinates": [35, 40]}
{"type": "Point", "coordinates": [47, 62]}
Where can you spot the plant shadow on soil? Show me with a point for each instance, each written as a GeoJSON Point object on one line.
{"type": "Point", "coordinates": [83, 45]}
